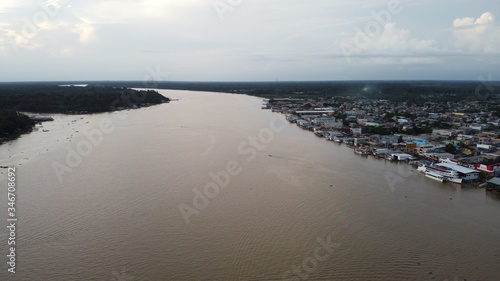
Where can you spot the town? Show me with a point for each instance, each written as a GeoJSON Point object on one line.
{"type": "Point", "coordinates": [447, 140]}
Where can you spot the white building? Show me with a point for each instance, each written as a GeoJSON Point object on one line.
{"type": "Point", "coordinates": [465, 173]}
{"type": "Point", "coordinates": [356, 131]}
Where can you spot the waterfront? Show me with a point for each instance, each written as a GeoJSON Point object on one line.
{"type": "Point", "coordinates": [117, 212]}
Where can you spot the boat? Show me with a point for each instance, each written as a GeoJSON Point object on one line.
{"type": "Point", "coordinates": [434, 176]}
{"type": "Point", "coordinates": [446, 173]}
{"type": "Point", "coordinates": [453, 179]}
{"type": "Point", "coordinates": [422, 167]}
{"type": "Point", "coordinates": [361, 151]}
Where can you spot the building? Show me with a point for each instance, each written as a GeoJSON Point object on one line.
{"type": "Point", "coordinates": [315, 112]}
{"type": "Point", "coordinates": [442, 132]}
{"type": "Point", "coordinates": [389, 139]}
{"type": "Point", "coordinates": [372, 124]}
{"type": "Point", "coordinates": [356, 131]}
{"type": "Point", "coordinates": [326, 122]}
{"type": "Point", "coordinates": [336, 125]}
{"type": "Point", "coordinates": [420, 142]}
{"type": "Point", "coordinates": [360, 141]}
{"type": "Point", "coordinates": [489, 169]}
{"type": "Point", "coordinates": [465, 173]}
{"type": "Point", "coordinates": [425, 148]}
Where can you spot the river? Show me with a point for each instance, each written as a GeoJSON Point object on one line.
{"type": "Point", "coordinates": [211, 187]}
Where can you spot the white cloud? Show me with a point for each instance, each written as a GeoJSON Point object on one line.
{"type": "Point", "coordinates": [463, 22]}
{"type": "Point", "coordinates": [480, 36]}
{"type": "Point", "coordinates": [485, 18]}
{"type": "Point", "coordinates": [85, 30]}
{"type": "Point", "coordinates": [115, 11]}
{"type": "Point", "coordinates": [392, 44]}
{"type": "Point", "coordinates": [257, 38]}
{"type": "Point", "coordinates": [20, 29]}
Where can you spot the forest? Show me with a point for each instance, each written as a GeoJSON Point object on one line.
{"type": "Point", "coordinates": [395, 91]}
{"type": "Point", "coordinates": [50, 98]}
{"type": "Point", "coordinates": [42, 98]}
{"type": "Point", "coordinates": [13, 123]}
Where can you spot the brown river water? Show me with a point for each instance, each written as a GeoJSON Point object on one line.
{"type": "Point", "coordinates": [211, 187]}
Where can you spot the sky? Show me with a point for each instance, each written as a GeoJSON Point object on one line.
{"type": "Point", "coordinates": [249, 40]}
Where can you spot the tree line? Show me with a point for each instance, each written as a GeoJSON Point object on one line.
{"type": "Point", "coordinates": [58, 99]}
{"type": "Point", "coordinates": [13, 123]}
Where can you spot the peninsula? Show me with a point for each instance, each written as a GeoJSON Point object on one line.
{"type": "Point", "coordinates": [19, 98]}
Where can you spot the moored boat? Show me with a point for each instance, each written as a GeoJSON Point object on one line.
{"type": "Point", "coordinates": [453, 180]}
{"type": "Point", "coordinates": [434, 176]}
{"type": "Point", "coordinates": [361, 151]}
{"type": "Point", "coordinates": [446, 173]}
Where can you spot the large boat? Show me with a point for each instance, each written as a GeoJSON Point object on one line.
{"type": "Point", "coordinates": [446, 173]}
{"type": "Point", "coordinates": [453, 179]}
{"type": "Point", "coordinates": [434, 176]}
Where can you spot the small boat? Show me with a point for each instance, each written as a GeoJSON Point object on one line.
{"type": "Point", "coordinates": [361, 151]}
{"type": "Point", "coordinates": [422, 167]}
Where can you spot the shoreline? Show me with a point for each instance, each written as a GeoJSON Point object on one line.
{"type": "Point", "coordinates": [395, 152]}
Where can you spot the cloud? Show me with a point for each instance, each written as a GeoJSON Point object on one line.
{"type": "Point", "coordinates": [85, 30]}
{"type": "Point", "coordinates": [258, 39]}
{"type": "Point", "coordinates": [463, 22]}
{"type": "Point", "coordinates": [480, 35]}
{"type": "Point", "coordinates": [485, 18]}
{"type": "Point", "coordinates": [45, 20]}
{"type": "Point", "coordinates": [24, 30]}
{"type": "Point", "coordinates": [391, 45]}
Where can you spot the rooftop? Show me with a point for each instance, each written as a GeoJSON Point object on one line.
{"type": "Point", "coordinates": [457, 168]}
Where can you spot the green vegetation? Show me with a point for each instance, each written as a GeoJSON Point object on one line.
{"type": "Point", "coordinates": [56, 99]}
{"type": "Point", "coordinates": [411, 92]}
{"type": "Point", "coordinates": [13, 123]}
{"type": "Point", "coordinates": [450, 148]}
{"type": "Point", "coordinates": [51, 98]}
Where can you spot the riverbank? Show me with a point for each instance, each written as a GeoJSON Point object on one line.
{"type": "Point", "coordinates": [22, 103]}
{"type": "Point", "coordinates": [424, 150]}
{"type": "Point", "coordinates": [125, 197]}
{"type": "Point", "coordinates": [13, 124]}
